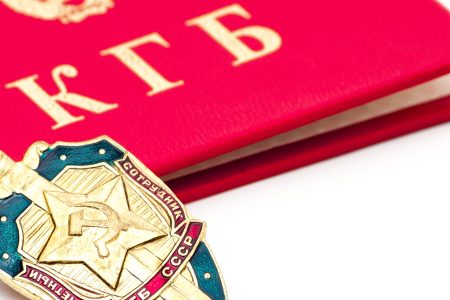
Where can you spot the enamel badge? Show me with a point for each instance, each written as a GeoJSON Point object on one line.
{"type": "Point", "coordinates": [89, 221]}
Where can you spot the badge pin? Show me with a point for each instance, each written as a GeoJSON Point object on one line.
{"type": "Point", "coordinates": [90, 221]}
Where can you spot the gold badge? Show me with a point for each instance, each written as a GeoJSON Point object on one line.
{"type": "Point", "coordinates": [89, 221]}
{"type": "Point", "coordinates": [61, 10]}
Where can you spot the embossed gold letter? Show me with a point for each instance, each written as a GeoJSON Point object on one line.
{"type": "Point", "coordinates": [49, 103]}
{"type": "Point", "coordinates": [231, 40]}
{"type": "Point", "coordinates": [126, 54]}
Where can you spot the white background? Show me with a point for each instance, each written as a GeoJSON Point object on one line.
{"type": "Point", "coordinates": [373, 224]}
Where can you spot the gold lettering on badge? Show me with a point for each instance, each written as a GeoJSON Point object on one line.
{"type": "Point", "coordinates": [126, 54]}
{"type": "Point", "coordinates": [231, 40]}
{"type": "Point", "coordinates": [50, 103]}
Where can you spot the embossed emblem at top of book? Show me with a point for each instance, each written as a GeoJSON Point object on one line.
{"type": "Point", "coordinates": [66, 11]}
{"type": "Point", "coordinates": [89, 221]}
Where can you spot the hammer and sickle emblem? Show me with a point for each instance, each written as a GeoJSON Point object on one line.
{"type": "Point", "coordinates": [113, 223]}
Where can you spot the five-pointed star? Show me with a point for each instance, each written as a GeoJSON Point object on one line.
{"type": "Point", "coordinates": [96, 230]}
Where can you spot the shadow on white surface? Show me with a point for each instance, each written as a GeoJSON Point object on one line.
{"type": "Point", "coordinates": [373, 224]}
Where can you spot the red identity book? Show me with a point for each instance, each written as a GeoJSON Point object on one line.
{"type": "Point", "coordinates": [215, 94]}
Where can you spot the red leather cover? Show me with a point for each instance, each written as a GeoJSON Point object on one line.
{"type": "Point", "coordinates": [333, 56]}
{"type": "Point", "coordinates": [303, 153]}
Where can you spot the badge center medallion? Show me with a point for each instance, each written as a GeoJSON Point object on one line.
{"type": "Point", "coordinates": [102, 219]}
